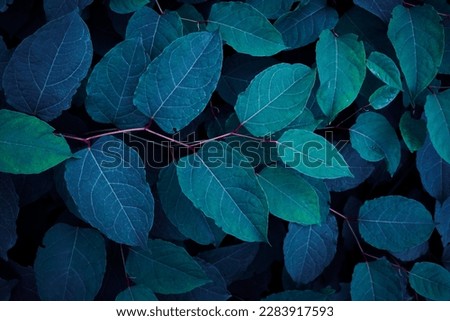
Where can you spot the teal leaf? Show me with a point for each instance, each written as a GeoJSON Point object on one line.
{"type": "Point", "coordinates": [375, 139]}
{"type": "Point", "coordinates": [308, 250]}
{"type": "Point", "coordinates": [301, 203]}
{"type": "Point", "coordinates": [304, 121]}
{"type": "Point", "coordinates": [442, 219]}
{"type": "Point", "coordinates": [220, 182]}
{"type": "Point", "coordinates": [385, 69]}
{"type": "Point", "coordinates": [157, 31]}
{"type": "Point", "coordinates": [304, 25]}
{"type": "Point", "coordinates": [437, 110]}
{"type": "Point", "coordinates": [381, 8]}
{"type": "Point", "coordinates": [136, 293]}
{"type": "Point", "coordinates": [112, 83]}
{"type": "Point", "coordinates": [383, 96]}
{"type": "Point", "coordinates": [274, 98]}
{"type": "Point", "coordinates": [127, 6]}
{"type": "Point", "coordinates": [57, 8]}
{"type": "Point", "coordinates": [341, 62]}
{"type": "Point", "coordinates": [71, 265]}
{"type": "Point", "coordinates": [28, 145]}
{"type": "Point", "coordinates": [298, 295]}
{"type": "Point", "coordinates": [245, 29]}
{"type": "Point", "coordinates": [192, 19]}
{"type": "Point", "coordinates": [9, 211]}
{"type": "Point", "coordinates": [445, 64]}
{"type": "Point", "coordinates": [271, 9]}
{"type": "Point", "coordinates": [418, 39]}
{"type": "Point", "coordinates": [376, 281]}
{"type": "Point", "coordinates": [324, 196]}
{"type": "Point", "coordinates": [413, 132]}
{"type": "Point", "coordinates": [311, 154]}
{"type": "Point", "coordinates": [413, 253]}
{"type": "Point", "coordinates": [178, 84]}
{"type": "Point", "coordinates": [165, 268]}
{"type": "Point", "coordinates": [107, 183]}
{"type": "Point", "coordinates": [431, 281]}
{"type": "Point", "coordinates": [394, 223]}
{"type": "Point", "coordinates": [180, 211]}
{"type": "Point", "coordinates": [43, 85]}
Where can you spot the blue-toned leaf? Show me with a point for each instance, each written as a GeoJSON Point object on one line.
{"type": "Point", "coordinates": [58, 8]}
{"type": "Point", "coordinates": [220, 182]}
{"type": "Point", "coordinates": [9, 210]}
{"type": "Point", "coordinates": [245, 29]}
{"type": "Point", "coordinates": [112, 83]}
{"type": "Point", "coordinates": [165, 268]}
{"type": "Point", "coordinates": [107, 182]}
{"type": "Point", "coordinates": [191, 18]}
{"type": "Point", "coordinates": [394, 223]}
{"type": "Point", "coordinates": [178, 84]}
{"type": "Point", "coordinates": [136, 293]}
{"type": "Point", "coordinates": [324, 195]}
{"type": "Point", "coordinates": [5, 55]}
{"type": "Point", "coordinates": [157, 31]}
{"type": "Point", "coordinates": [271, 9]}
{"type": "Point", "coordinates": [445, 64]}
{"type": "Point", "coordinates": [442, 219]}
{"type": "Point", "coordinates": [308, 250]}
{"type": "Point", "coordinates": [437, 110]}
{"type": "Point", "coordinates": [375, 139]}
{"type": "Point", "coordinates": [431, 281]}
{"type": "Point", "coordinates": [381, 8]}
{"type": "Point", "coordinates": [71, 265]}
{"type": "Point", "coordinates": [163, 228]}
{"type": "Point", "coordinates": [412, 253]}
{"type": "Point", "coordinates": [434, 172]}
{"type": "Point", "coordinates": [304, 25]}
{"type": "Point", "coordinates": [127, 6]}
{"type": "Point", "coordinates": [418, 38]}
{"type": "Point", "coordinates": [376, 281]}
{"type": "Point", "coordinates": [311, 154]}
{"type": "Point", "coordinates": [180, 211]}
{"type": "Point", "coordinates": [385, 69]}
{"type": "Point", "coordinates": [341, 63]}
{"type": "Point", "coordinates": [446, 257]}
{"type": "Point", "coordinates": [297, 295]}
{"type": "Point", "coordinates": [383, 96]}
{"type": "Point", "coordinates": [4, 5]}
{"type": "Point", "coordinates": [414, 132]}
{"type": "Point", "coordinates": [44, 84]}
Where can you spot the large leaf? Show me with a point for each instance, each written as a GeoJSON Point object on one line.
{"type": "Point", "coordinates": [413, 132]}
{"type": "Point", "coordinates": [112, 83]}
{"type": "Point", "coordinates": [57, 8]}
{"type": "Point", "coordinates": [127, 6]}
{"type": "Point", "coordinates": [165, 268]}
{"type": "Point", "coordinates": [220, 182]}
{"type": "Point", "coordinates": [107, 183]}
{"type": "Point", "coordinates": [136, 293]}
{"type": "Point", "coordinates": [341, 62]}
{"type": "Point", "coordinates": [157, 31]}
{"type": "Point", "coordinates": [442, 219]}
{"type": "Point", "coordinates": [381, 8]}
{"type": "Point", "coordinates": [28, 145]}
{"type": "Point", "coordinates": [418, 38]}
{"type": "Point", "coordinates": [376, 281]}
{"type": "Point", "coordinates": [385, 69]}
{"type": "Point", "coordinates": [311, 154]}
{"type": "Point", "coordinates": [44, 84]}
{"type": "Point", "coordinates": [304, 25]}
{"type": "Point", "coordinates": [308, 250]}
{"type": "Point", "coordinates": [178, 84]}
{"type": "Point", "coordinates": [271, 9]}
{"type": "Point", "coordinates": [437, 110]}
{"type": "Point", "coordinates": [71, 264]}
{"type": "Point", "coordinates": [290, 197]}
{"type": "Point", "coordinates": [245, 29]}
{"type": "Point", "coordinates": [394, 223]}
{"type": "Point", "coordinates": [9, 210]}
{"type": "Point", "coordinates": [274, 98]}
{"type": "Point", "coordinates": [375, 139]}
{"type": "Point", "coordinates": [430, 280]}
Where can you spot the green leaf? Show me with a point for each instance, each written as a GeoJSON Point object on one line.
{"type": "Point", "coordinates": [28, 145]}
{"type": "Point", "coordinates": [311, 154]}
{"type": "Point", "coordinates": [437, 110]}
{"type": "Point", "coordinates": [221, 183]}
{"type": "Point", "coordinates": [418, 38]}
{"type": "Point", "coordinates": [413, 132]}
{"type": "Point", "coordinates": [383, 96]}
{"type": "Point", "coordinates": [178, 84]}
{"type": "Point", "coordinates": [385, 69]}
{"type": "Point", "coordinates": [245, 29]}
{"type": "Point", "coordinates": [375, 139]}
{"type": "Point", "coordinates": [274, 98]}
{"type": "Point", "coordinates": [341, 62]}
{"type": "Point", "coordinates": [127, 6]}
{"type": "Point", "coordinates": [394, 223]}
{"type": "Point", "coordinates": [136, 293]}
{"type": "Point", "coordinates": [376, 281]}
{"type": "Point", "coordinates": [430, 280]}
{"type": "Point", "coordinates": [165, 268]}
{"type": "Point", "coordinates": [300, 202]}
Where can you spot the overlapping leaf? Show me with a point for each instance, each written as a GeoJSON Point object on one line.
{"type": "Point", "coordinates": [127, 6]}
{"type": "Point", "coordinates": [430, 280]}
{"type": "Point", "coordinates": [437, 110]}
{"type": "Point", "coordinates": [413, 132]}
{"type": "Point", "coordinates": [57, 8]}
{"type": "Point", "coordinates": [381, 8]}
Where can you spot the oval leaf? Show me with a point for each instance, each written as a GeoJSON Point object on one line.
{"type": "Point", "coordinates": [442, 219]}
{"type": "Point", "coordinates": [9, 211]}
{"type": "Point", "coordinates": [385, 69]}
{"type": "Point", "coordinates": [383, 96]}
{"type": "Point", "coordinates": [413, 132]}
{"type": "Point", "coordinates": [431, 281]}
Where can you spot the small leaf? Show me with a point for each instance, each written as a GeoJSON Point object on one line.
{"type": "Point", "coordinates": [28, 145]}
{"type": "Point", "coordinates": [274, 98]}
{"type": "Point", "coordinates": [437, 110]}
{"type": "Point", "coordinates": [385, 69]}
{"type": "Point", "coordinates": [165, 268]}
{"type": "Point", "coordinates": [71, 265]}
{"type": "Point", "coordinates": [376, 281]}
{"type": "Point", "coordinates": [136, 293]}
{"type": "Point", "coordinates": [58, 8]}
{"type": "Point", "coordinates": [9, 211]}
{"type": "Point", "coordinates": [127, 6]}
{"type": "Point", "coordinates": [383, 96]}
{"type": "Point", "coordinates": [308, 250]}
{"type": "Point", "coordinates": [107, 183]}
{"type": "Point", "coordinates": [341, 62]}
{"type": "Point", "coordinates": [245, 29]}
{"type": "Point", "coordinates": [381, 8]}
{"type": "Point", "coordinates": [44, 84]}
{"type": "Point", "coordinates": [311, 154]}
{"type": "Point", "coordinates": [431, 281]}
{"type": "Point", "coordinates": [442, 219]}
{"type": "Point", "coordinates": [271, 9]}
{"type": "Point", "coordinates": [413, 132]}
{"type": "Point", "coordinates": [182, 78]}
{"type": "Point", "coordinates": [394, 223]}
